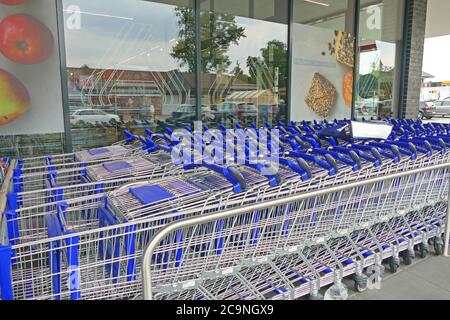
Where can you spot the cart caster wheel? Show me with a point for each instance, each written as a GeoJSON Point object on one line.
{"type": "Point", "coordinates": [438, 249]}
{"type": "Point", "coordinates": [423, 251]}
{"type": "Point", "coordinates": [361, 283]}
{"type": "Point", "coordinates": [406, 258]}
{"type": "Point", "coordinates": [317, 297]}
{"type": "Point", "coordinates": [393, 265]}
{"type": "Point", "coordinates": [336, 292]}
{"type": "Point", "coordinates": [359, 287]}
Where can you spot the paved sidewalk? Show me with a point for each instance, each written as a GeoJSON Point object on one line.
{"type": "Point", "coordinates": [425, 279]}
{"type": "Point", "coordinates": [438, 120]}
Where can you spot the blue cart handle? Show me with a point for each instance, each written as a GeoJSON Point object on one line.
{"type": "Point", "coordinates": [354, 161]}
{"type": "Point", "coordinates": [330, 164]}
{"type": "Point", "coordinates": [300, 166]}
{"type": "Point", "coordinates": [394, 150]}
{"type": "Point", "coordinates": [376, 160]}
{"type": "Point", "coordinates": [129, 137]}
{"type": "Point", "coordinates": [429, 144]}
{"type": "Point", "coordinates": [406, 148]}
{"type": "Point", "coordinates": [376, 152]}
{"type": "Point", "coordinates": [274, 177]}
{"type": "Point", "coordinates": [165, 137]}
{"type": "Point", "coordinates": [232, 174]}
{"type": "Point", "coordinates": [152, 147]}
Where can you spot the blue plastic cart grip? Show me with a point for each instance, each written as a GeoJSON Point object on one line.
{"type": "Point", "coordinates": [130, 240]}
{"type": "Point", "coordinates": [12, 225]}
{"type": "Point", "coordinates": [6, 292]}
{"type": "Point", "coordinates": [73, 262]}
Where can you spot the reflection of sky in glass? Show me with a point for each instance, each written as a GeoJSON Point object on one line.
{"type": "Point", "coordinates": [139, 35]}
{"type": "Point", "coordinates": [258, 34]}
{"type": "Point", "coordinates": [110, 42]}
{"type": "Point", "coordinates": [435, 60]}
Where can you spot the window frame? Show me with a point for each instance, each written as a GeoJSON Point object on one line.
{"type": "Point", "coordinates": [195, 5]}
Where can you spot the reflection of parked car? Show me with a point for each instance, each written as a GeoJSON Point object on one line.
{"type": "Point", "coordinates": [368, 109]}
{"type": "Point", "coordinates": [93, 116]}
{"type": "Point", "coordinates": [186, 114]}
{"type": "Point", "coordinates": [241, 111]}
{"type": "Point", "coordinates": [386, 109]}
{"type": "Point", "coordinates": [375, 108]}
{"type": "Point", "coordinates": [439, 108]}
{"type": "Point", "coordinates": [148, 110]}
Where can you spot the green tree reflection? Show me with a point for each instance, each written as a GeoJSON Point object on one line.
{"type": "Point", "coordinates": [218, 32]}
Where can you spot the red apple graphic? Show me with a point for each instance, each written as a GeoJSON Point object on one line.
{"type": "Point", "coordinates": [14, 98]}
{"type": "Point", "coordinates": [25, 40]}
{"type": "Point", "coordinates": [13, 2]}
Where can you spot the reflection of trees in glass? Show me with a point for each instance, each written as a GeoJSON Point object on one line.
{"type": "Point", "coordinates": [368, 86]}
{"type": "Point", "coordinates": [377, 84]}
{"type": "Point", "coordinates": [274, 57]}
{"type": "Point", "coordinates": [218, 32]}
{"type": "Point", "coordinates": [238, 73]}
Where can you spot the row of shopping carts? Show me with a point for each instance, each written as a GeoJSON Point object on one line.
{"type": "Point", "coordinates": [78, 229]}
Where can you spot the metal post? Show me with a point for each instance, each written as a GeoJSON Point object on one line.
{"type": "Point", "coordinates": [5, 190]}
{"type": "Point", "coordinates": [63, 74]}
{"type": "Point", "coordinates": [288, 103]}
{"type": "Point", "coordinates": [198, 60]}
{"type": "Point", "coordinates": [447, 226]}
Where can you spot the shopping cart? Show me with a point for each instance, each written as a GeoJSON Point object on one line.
{"type": "Point", "coordinates": [90, 247]}
{"type": "Point", "coordinates": [304, 239]}
{"type": "Point", "coordinates": [42, 187]}
{"type": "Point", "coordinates": [301, 243]}
{"type": "Point", "coordinates": [119, 149]}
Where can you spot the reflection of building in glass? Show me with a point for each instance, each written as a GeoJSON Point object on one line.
{"type": "Point", "coordinates": [127, 92]}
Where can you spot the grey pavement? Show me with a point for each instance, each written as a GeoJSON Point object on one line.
{"type": "Point", "coordinates": [425, 279]}
{"type": "Point", "coordinates": [438, 120]}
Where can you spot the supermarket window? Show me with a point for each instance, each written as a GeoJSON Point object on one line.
{"type": "Point", "coordinates": [123, 66]}
{"type": "Point", "coordinates": [436, 69]}
{"type": "Point", "coordinates": [380, 54]}
{"type": "Point", "coordinates": [323, 55]}
{"type": "Point", "coordinates": [244, 61]}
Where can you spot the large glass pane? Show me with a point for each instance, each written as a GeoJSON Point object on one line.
{"type": "Point", "coordinates": [123, 68]}
{"type": "Point", "coordinates": [244, 68]}
{"type": "Point", "coordinates": [323, 55]}
{"type": "Point", "coordinates": [435, 94]}
{"type": "Point", "coordinates": [380, 53]}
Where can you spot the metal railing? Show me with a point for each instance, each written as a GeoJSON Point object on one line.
{"type": "Point", "coordinates": [3, 196]}
{"type": "Point", "coordinates": [368, 202]}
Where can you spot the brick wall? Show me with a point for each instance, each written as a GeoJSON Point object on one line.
{"type": "Point", "coordinates": [412, 77]}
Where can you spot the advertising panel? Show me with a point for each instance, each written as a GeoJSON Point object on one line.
{"type": "Point", "coordinates": [30, 79]}
{"type": "Point", "coordinates": [322, 73]}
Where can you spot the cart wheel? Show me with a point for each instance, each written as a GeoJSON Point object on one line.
{"type": "Point", "coordinates": [317, 297]}
{"type": "Point", "coordinates": [360, 287]}
{"type": "Point", "coordinates": [423, 251]}
{"type": "Point", "coordinates": [393, 265]}
{"type": "Point", "coordinates": [360, 282]}
{"type": "Point", "coordinates": [406, 258]}
{"type": "Point", "coordinates": [438, 249]}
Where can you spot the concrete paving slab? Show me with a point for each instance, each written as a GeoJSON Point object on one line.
{"type": "Point", "coordinates": [438, 120]}
{"type": "Point", "coordinates": [426, 279]}
{"type": "Point", "coordinates": [435, 271]}
{"type": "Point", "coordinates": [406, 286]}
